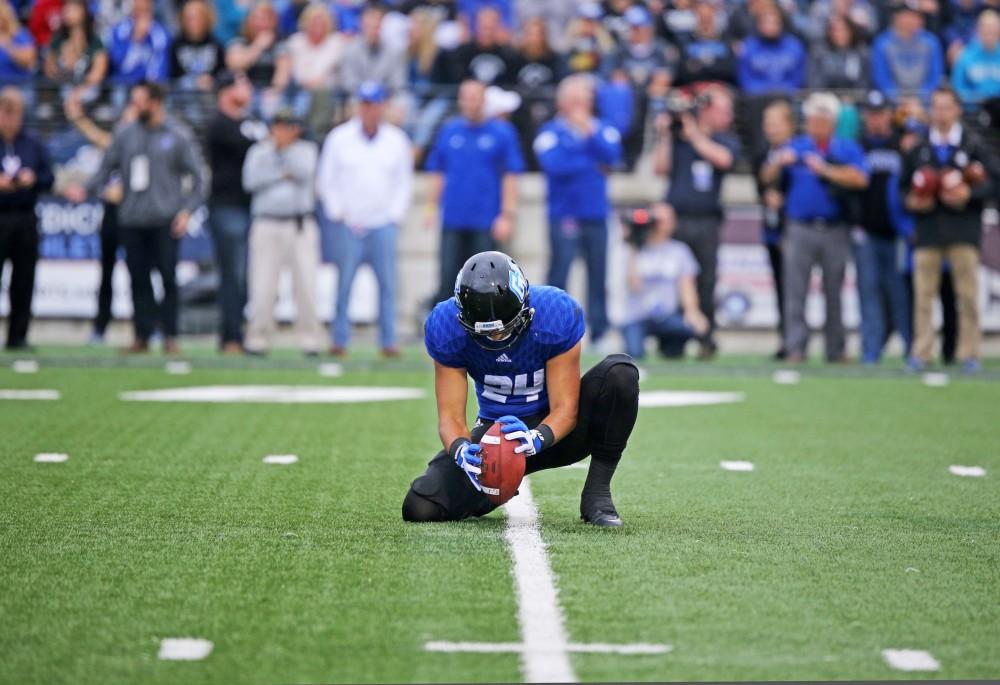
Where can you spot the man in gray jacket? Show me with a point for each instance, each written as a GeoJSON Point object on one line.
{"type": "Point", "coordinates": [153, 156]}
{"type": "Point", "coordinates": [279, 174]}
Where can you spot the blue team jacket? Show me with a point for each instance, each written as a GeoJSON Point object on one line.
{"type": "Point", "coordinates": [576, 168]}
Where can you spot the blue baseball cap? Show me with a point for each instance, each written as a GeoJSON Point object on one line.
{"type": "Point", "coordinates": [371, 91]}
{"type": "Point", "coordinates": [637, 15]}
{"type": "Point", "coordinates": [590, 10]}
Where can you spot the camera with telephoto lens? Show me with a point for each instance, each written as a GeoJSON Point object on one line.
{"type": "Point", "coordinates": [678, 103]}
{"type": "Point", "coordinates": [639, 223]}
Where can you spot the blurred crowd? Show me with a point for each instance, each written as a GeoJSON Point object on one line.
{"type": "Point", "coordinates": [322, 110]}
{"type": "Point", "coordinates": [299, 54]}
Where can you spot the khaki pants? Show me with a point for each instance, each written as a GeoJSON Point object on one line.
{"type": "Point", "coordinates": [964, 262]}
{"type": "Point", "coordinates": [276, 244]}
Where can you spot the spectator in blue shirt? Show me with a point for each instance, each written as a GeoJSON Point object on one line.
{"type": "Point", "coordinates": [819, 170]}
{"type": "Point", "coordinates": [18, 55]}
{"type": "Point", "coordinates": [139, 48]}
{"type": "Point", "coordinates": [773, 61]}
{"type": "Point", "coordinates": [473, 184]}
{"type": "Point", "coordinates": [906, 59]}
{"type": "Point", "coordinates": [230, 14]}
{"type": "Point", "coordinates": [576, 151]}
{"type": "Point", "coordinates": [976, 76]}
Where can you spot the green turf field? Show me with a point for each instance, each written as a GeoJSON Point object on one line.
{"type": "Point", "coordinates": [849, 537]}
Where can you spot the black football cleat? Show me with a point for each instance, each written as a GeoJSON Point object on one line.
{"type": "Point", "coordinates": [600, 512]}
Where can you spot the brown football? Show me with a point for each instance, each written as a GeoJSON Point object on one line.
{"type": "Point", "coordinates": [925, 182]}
{"type": "Point", "coordinates": [974, 173]}
{"type": "Point", "coordinates": [502, 468]}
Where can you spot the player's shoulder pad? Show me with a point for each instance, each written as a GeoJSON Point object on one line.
{"type": "Point", "coordinates": [444, 337]}
{"type": "Point", "coordinates": [558, 317]}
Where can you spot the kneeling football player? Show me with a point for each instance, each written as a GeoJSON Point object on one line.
{"type": "Point", "coordinates": [521, 346]}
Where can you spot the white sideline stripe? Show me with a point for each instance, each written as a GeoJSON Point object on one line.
{"type": "Point", "coordinates": [282, 459]}
{"type": "Point", "coordinates": [685, 398]}
{"type": "Point", "coordinates": [278, 394]}
{"type": "Point", "coordinates": [177, 368]}
{"type": "Point", "coordinates": [184, 649]}
{"type": "Point", "coordinates": [24, 366]}
{"type": "Point", "coordinates": [910, 660]}
{"type": "Point", "coordinates": [518, 648]}
{"type": "Point", "coordinates": [29, 395]}
{"type": "Point", "coordinates": [545, 654]}
{"type": "Point", "coordinates": [51, 458]}
{"type": "Point", "coordinates": [736, 465]}
{"type": "Point", "coordinates": [973, 471]}
{"type": "Point", "coordinates": [786, 377]}
{"type": "Point", "coordinates": [331, 370]}
{"type": "Point", "coordinates": [935, 379]}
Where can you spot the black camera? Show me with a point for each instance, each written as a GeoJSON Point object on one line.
{"type": "Point", "coordinates": [639, 223]}
{"type": "Point", "coordinates": [677, 103]}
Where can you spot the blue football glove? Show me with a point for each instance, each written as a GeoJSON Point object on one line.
{"type": "Point", "coordinates": [514, 428]}
{"type": "Point", "coordinates": [468, 459]}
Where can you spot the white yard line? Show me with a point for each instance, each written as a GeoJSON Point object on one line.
{"type": "Point", "coordinates": [518, 648]}
{"type": "Point", "coordinates": [545, 644]}
{"type": "Point", "coordinates": [184, 649]}
{"type": "Point", "coordinates": [29, 394]}
{"type": "Point", "coordinates": [910, 660]}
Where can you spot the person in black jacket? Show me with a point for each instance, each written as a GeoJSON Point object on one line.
{"type": "Point", "coordinates": [486, 58]}
{"type": "Point", "coordinates": [956, 164]}
{"type": "Point", "coordinates": [25, 172]}
{"type": "Point", "coordinates": [230, 135]}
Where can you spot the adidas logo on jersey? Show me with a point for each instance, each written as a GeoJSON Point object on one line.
{"type": "Point", "coordinates": [504, 358]}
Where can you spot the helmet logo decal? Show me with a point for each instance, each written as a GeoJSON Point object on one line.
{"type": "Point", "coordinates": [518, 282]}
{"type": "Point", "coordinates": [488, 326]}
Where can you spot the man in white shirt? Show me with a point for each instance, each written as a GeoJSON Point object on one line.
{"type": "Point", "coordinates": [364, 184]}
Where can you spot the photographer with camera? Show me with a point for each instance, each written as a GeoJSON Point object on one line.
{"type": "Point", "coordinates": [819, 171]}
{"type": "Point", "coordinates": [662, 298]}
{"type": "Point", "coordinates": [695, 148]}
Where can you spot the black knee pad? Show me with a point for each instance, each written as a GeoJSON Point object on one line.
{"type": "Point", "coordinates": [615, 408]}
{"type": "Point", "coordinates": [622, 375]}
{"type": "Point", "coordinates": [419, 509]}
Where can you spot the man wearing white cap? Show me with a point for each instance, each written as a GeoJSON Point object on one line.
{"type": "Point", "coordinates": [820, 172]}
{"type": "Point", "coordinates": [364, 182]}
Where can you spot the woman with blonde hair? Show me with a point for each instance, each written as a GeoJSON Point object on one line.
{"type": "Point", "coordinates": [316, 51]}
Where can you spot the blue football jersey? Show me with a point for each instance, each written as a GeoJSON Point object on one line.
{"type": "Point", "coordinates": [510, 381]}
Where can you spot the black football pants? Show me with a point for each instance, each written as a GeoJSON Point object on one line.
{"type": "Point", "coordinates": [609, 404]}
